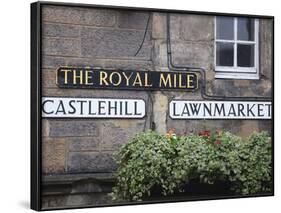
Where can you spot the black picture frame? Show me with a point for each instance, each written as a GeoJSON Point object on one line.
{"type": "Point", "coordinates": [36, 94]}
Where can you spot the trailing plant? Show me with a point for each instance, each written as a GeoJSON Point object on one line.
{"type": "Point", "coordinates": [168, 163]}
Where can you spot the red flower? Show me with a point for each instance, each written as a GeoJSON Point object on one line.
{"type": "Point", "coordinates": [217, 142]}
{"type": "Point", "coordinates": [218, 132]}
{"type": "Point", "coordinates": [204, 133]}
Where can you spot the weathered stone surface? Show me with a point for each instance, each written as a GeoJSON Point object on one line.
{"type": "Point", "coordinates": [83, 143]}
{"type": "Point", "coordinates": [210, 75]}
{"type": "Point", "coordinates": [159, 53]}
{"type": "Point", "coordinates": [72, 127]}
{"type": "Point", "coordinates": [266, 49]}
{"type": "Point", "coordinates": [159, 26]}
{"type": "Point", "coordinates": [49, 78]}
{"type": "Point", "coordinates": [175, 26]}
{"type": "Point", "coordinates": [53, 155]}
{"type": "Point", "coordinates": [115, 133]}
{"type": "Point", "coordinates": [61, 46]}
{"type": "Point", "coordinates": [114, 43]}
{"type": "Point", "coordinates": [94, 93]}
{"type": "Point", "coordinates": [90, 162]}
{"type": "Point", "coordinates": [45, 127]}
{"type": "Point", "coordinates": [193, 54]}
{"type": "Point", "coordinates": [265, 125]}
{"type": "Point", "coordinates": [132, 19]}
{"type": "Point", "coordinates": [60, 30]}
{"type": "Point", "coordinates": [53, 201]}
{"type": "Point", "coordinates": [197, 28]}
{"type": "Point", "coordinates": [261, 87]}
{"type": "Point", "coordinates": [241, 83]}
{"type": "Point", "coordinates": [126, 64]}
{"type": "Point", "coordinates": [247, 128]}
{"type": "Point", "coordinates": [195, 126]}
{"type": "Point", "coordinates": [88, 199]}
{"type": "Point", "coordinates": [231, 88]}
{"type": "Point", "coordinates": [160, 112]}
{"type": "Point", "coordinates": [83, 16]}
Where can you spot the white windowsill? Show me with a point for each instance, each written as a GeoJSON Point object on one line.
{"type": "Point", "coordinates": [245, 76]}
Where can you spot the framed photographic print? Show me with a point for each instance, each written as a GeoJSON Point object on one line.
{"type": "Point", "coordinates": [137, 105]}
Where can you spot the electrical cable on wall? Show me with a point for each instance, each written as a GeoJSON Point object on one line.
{"type": "Point", "coordinates": [144, 35]}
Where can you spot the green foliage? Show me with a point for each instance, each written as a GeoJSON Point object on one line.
{"type": "Point", "coordinates": [150, 161]}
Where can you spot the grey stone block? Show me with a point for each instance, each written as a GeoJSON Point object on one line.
{"type": "Point", "coordinates": [159, 25]}
{"type": "Point", "coordinates": [90, 162]}
{"type": "Point", "coordinates": [45, 127]}
{"type": "Point", "coordinates": [94, 93]}
{"type": "Point", "coordinates": [112, 43]}
{"type": "Point", "coordinates": [48, 78]}
{"type": "Point", "coordinates": [61, 46]}
{"type": "Point", "coordinates": [197, 28]}
{"type": "Point", "coordinates": [265, 52]}
{"type": "Point", "coordinates": [83, 16]}
{"type": "Point", "coordinates": [133, 19]}
{"type": "Point", "coordinates": [175, 26]}
{"type": "Point", "coordinates": [115, 133]}
{"type": "Point", "coordinates": [72, 127]}
{"type": "Point", "coordinates": [83, 143]}
{"type": "Point", "coordinates": [193, 54]}
{"type": "Point", "coordinates": [265, 125]}
{"type": "Point", "coordinates": [52, 62]}
{"type": "Point", "coordinates": [53, 155]}
{"type": "Point", "coordinates": [53, 201]}
{"type": "Point", "coordinates": [127, 64]}
{"type": "Point", "coordinates": [60, 30]}
{"type": "Point", "coordinates": [160, 53]}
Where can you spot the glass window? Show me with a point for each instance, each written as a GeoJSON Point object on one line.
{"type": "Point", "coordinates": [245, 55]}
{"type": "Point", "coordinates": [225, 53]}
{"type": "Point", "coordinates": [246, 29]}
{"type": "Point", "coordinates": [225, 28]}
{"type": "Point", "coordinates": [236, 45]}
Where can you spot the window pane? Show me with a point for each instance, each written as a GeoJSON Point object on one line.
{"type": "Point", "coordinates": [225, 28]}
{"type": "Point", "coordinates": [246, 29]}
{"type": "Point", "coordinates": [246, 55]}
{"type": "Point", "coordinates": [224, 54]}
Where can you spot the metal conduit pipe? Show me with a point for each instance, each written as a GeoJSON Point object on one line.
{"type": "Point", "coordinates": [202, 72]}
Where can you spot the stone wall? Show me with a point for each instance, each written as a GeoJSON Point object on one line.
{"type": "Point", "coordinates": [109, 39]}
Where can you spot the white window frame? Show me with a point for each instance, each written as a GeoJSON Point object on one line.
{"type": "Point", "coordinates": [236, 72]}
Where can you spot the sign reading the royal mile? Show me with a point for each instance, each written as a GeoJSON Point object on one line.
{"type": "Point", "coordinates": [126, 79]}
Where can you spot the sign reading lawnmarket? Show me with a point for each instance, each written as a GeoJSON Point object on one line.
{"type": "Point", "coordinates": [144, 105]}
{"type": "Point", "coordinates": [219, 110]}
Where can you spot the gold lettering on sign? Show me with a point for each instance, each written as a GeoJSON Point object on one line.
{"type": "Point", "coordinates": [119, 78]}
{"type": "Point", "coordinates": [175, 80]}
{"type": "Point", "coordinates": [65, 75]}
{"type": "Point", "coordinates": [103, 76]}
{"type": "Point", "coordinates": [180, 82]}
{"type": "Point", "coordinates": [87, 77]}
{"type": "Point", "coordinates": [164, 80]}
{"type": "Point", "coordinates": [127, 78]}
{"type": "Point", "coordinates": [189, 80]}
{"type": "Point", "coordinates": [146, 80]}
{"type": "Point", "coordinates": [137, 80]}
{"type": "Point", "coordinates": [75, 77]}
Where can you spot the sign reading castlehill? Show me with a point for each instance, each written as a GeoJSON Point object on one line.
{"type": "Point", "coordinates": [61, 107]}
{"type": "Point", "coordinates": [125, 79]}
{"type": "Point", "coordinates": [179, 109]}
